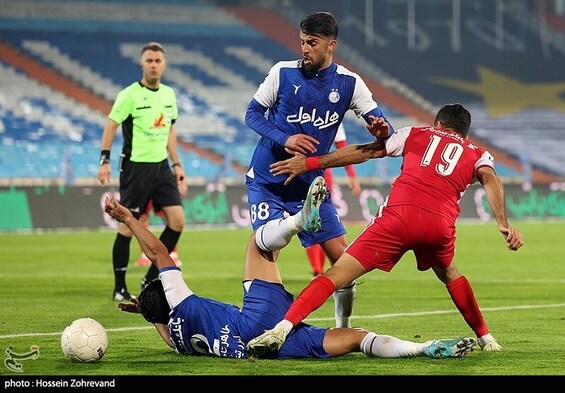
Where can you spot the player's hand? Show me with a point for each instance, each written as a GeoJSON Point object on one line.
{"type": "Point", "coordinates": [132, 306]}
{"type": "Point", "coordinates": [115, 210]}
{"type": "Point", "coordinates": [294, 166]}
{"type": "Point", "coordinates": [301, 143]}
{"type": "Point", "coordinates": [378, 127]}
{"type": "Point", "coordinates": [513, 237]}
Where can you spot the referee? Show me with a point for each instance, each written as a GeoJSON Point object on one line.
{"type": "Point", "coordinates": [147, 111]}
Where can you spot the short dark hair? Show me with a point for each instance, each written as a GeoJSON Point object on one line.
{"type": "Point", "coordinates": [153, 304]}
{"type": "Point", "coordinates": [320, 24]}
{"type": "Point", "coordinates": [455, 117]}
{"type": "Point", "coordinates": [154, 46]}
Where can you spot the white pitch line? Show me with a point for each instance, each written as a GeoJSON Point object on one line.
{"type": "Point", "coordinates": [380, 316]}
{"type": "Point", "coordinates": [420, 313]}
{"type": "Point", "coordinates": [124, 329]}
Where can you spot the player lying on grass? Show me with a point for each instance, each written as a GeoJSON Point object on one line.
{"type": "Point", "coordinates": [193, 325]}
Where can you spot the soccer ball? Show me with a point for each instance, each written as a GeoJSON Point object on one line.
{"type": "Point", "coordinates": [84, 340]}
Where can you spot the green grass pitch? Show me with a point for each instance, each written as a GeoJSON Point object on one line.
{"type": "Point", "coordinates": [49, 279]}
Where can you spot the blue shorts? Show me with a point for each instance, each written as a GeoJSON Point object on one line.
{"type": "Point", "coordinates": [274, 201]}
{"type": "Point", "coordinates": [264, 305]}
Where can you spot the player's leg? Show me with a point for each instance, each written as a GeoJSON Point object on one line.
{"type": "Point", "coordinates": [159, 212]}
{"type": "Point", "coordinates": [276, 233]}
{"type": "Point", "coordinates": [311, 298]}
{"type": "Point", "coordinates": [256, 265]}
{"type": "Point", "coordinates": [438, 246]}
{"type": "Point", "coordinates": [317, 258]}
{"type": "Point", "coordinates": [145, 220]}
{"type": "Point", "coordinates": [339, 342]}
{"type": "Point", "coordinates": [385, 346]}
{"type": "Point", "coordinates": [169, 237]}
{"type": "Point", "coordinates": [265, 300]}
{"type": "Point", "coordinates": [132, 193]}
{"type": "Point", "coordinates": [464, 299]}
{"type": "Point", "coordinates": [332, 239]}
{"type": "Point", "coordinates": [120, 260]}
{"type": "Point", "coordinates": [175, 256]}
{"type": "Point", "coordinates": [344, 298]}
{"type": "Point", "coordinates": [166, 196]}
{"type": "Point", "coordinates": [338, 276]}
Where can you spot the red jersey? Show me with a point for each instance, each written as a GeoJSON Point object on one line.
{"type": "Point", "coordinates": [437, 168]}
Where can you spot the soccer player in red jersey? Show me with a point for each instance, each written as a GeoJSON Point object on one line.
{"type": "Point", "coordinates": [419, 215]}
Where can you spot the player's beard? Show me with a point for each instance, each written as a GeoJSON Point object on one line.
{"type": "Point", "coordinates": [314, 66]}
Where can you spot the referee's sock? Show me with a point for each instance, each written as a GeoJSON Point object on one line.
{"type": "Point", "coordinates": [170, 239]}
{"type": "Point", "coordinates": [120, 259]}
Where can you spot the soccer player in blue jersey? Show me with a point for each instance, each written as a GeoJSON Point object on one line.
{"type": "Point", "coordinates": [298, 108]}
{"type": "Point", "coordinates": [194, 325]}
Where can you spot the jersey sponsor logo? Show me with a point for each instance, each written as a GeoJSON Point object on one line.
{"type": "Point", "coordinates": [327, 120]}
{"type": "Point", "coordinates": [175, 328]}
{"type": "Point", "coordinates": [159, 122]}
{"type": "Point", "coordinates": [296, 87]}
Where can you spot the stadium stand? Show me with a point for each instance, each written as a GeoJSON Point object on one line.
{"type": "Point", "coordinates": [503, 60]}
{"type": "Point", "coordinates": [75, 56]}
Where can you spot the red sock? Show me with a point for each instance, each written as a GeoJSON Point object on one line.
{"type": "Point", "coordinates": [317, 258]}
{"type": "Point", "coordinates": [464, 298]}
{"type": "Point", "coordinates": [311, 298]}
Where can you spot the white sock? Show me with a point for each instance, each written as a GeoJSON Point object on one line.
{"type": "Point", "coordinates": [285, 325]}
{"type": "Point", "coordinates": [487, 338]}
{"type": "Point", "coordinates": [276, 234]}
{"type": "Point", "coordinates": [294, 223]}
{"type": "Point", "coordinates": [343, 300]}
{"type": "Point", "coordinates": [382, 346]}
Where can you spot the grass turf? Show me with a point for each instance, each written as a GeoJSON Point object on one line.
{"type": "Point", "coordinates": [49, 279]}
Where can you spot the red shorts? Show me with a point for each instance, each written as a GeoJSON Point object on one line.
{"type": "Point", "coordinates": [399, 229]}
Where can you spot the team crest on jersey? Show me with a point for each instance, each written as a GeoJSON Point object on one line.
{"type": "Point", "coordinates": [334, 96]}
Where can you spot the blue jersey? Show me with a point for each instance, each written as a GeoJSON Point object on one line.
{"type": "Point", "coordinates": [206, 327]}
{"type": "Point", "coordinates": [297, 102]}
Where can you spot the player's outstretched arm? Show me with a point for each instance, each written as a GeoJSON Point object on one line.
{"type": "Point", "coordinates": [348, 155]}
{"type": "Point", "coordinates": [150, 244]}
{"type": "Point", "coordinates": [108, 135]}
{"type": "Point", "coordinates": [495, 197]}
{"type": "Point", "coordinates": [133, 307]}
